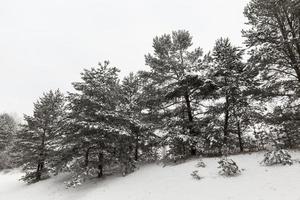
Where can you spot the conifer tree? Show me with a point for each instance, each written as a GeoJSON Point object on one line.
{"type": "Point", "coordinates": [231, 110]}
{"type": "Point", "coordinates": [175, 74]}
{"type": "Point", "coordinates": [99, 137]}
{"type": "Point", "coordinates": [274, 40]}
{"type": "Point", "coordinates": [8, 128]}
{"type": "Point", "coordinates": [135, 110]}
{"type": "Point", "coordinates": [39, 138]}
{"type": "Point", "coordinates": [274, 36]}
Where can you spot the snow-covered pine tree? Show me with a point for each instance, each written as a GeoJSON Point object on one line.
{"type": "Point", "coordinates": [40, 137]}
{"type": "Point", "coordinates": [283, 125]}
{"type": "Point", "coordinates": [8, 128]}
{"type": "Point", "coordinates": [228, 167]}
{"type": "Point", "coordinates": [277, 156]}
{"type": "Point", "coordinates": [99, 138]}
{"type": "Point", "coordinates": [273, 37]}
{"type": "Point", "coordinates": [232, 112]}
{"type": "Point", "coordinates": [136, 112]}
{"type": "Point", "coordinates": [179, 85]}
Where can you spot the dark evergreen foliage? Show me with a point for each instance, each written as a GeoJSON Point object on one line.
{"type": "Point", "coordinates": [273, 39]}
{"type": "Point", "coordinates": [279, 156]}
{"type": "Point", "coordinates": [175, 72]}
{"type": "Point", "coordinates": [187, 104]}
{"type": "Point", "coordinates": [8, 128]}
{"type": "Point", "coordinates": [40, 138]}
{"type": "Point", "coordinates": [228, 167]}
{"type": "Point", "coordinates": [232, 111]}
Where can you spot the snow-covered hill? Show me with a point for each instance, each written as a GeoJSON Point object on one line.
{"type": "Point", "coordinates": [171, 182]}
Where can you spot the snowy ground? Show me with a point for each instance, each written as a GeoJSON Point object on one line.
{"type": "Point", "coordinates": [172, 182]}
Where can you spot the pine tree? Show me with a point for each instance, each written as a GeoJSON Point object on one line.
{"type": "Point", "coordinates": [39, 138]}
{"type": "Point", "coordinates": [175, 74]}
{"type": "Point", "coordinates": [133, 108]}
{"type": "Point", "coordinates": [274, 34]}
{"type": "Point", "coordinates": [8, 128]}
{"type": "Point", "coordinates": [232, 110]}
{"type": "Point", "coordinates": [99, 137]}
{"type": "Point", "coordinates": [274, 39]}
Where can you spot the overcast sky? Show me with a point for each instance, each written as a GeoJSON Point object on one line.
{"type": "Point", "coordinates": [45, 44]}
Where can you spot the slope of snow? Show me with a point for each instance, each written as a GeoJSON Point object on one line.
{"type": "Point", "coordinates": [171, 182]}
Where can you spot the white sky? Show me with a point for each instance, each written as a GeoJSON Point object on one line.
{"type": "Point", "coordinates": [45, 44]}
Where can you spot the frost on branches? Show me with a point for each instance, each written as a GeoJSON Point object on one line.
{"type": "Point", "coordinates": [228, 167]}
{"type": "Point", "coordinates": [280, 156]}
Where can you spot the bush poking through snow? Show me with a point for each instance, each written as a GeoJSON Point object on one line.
{"type": "Point", "coordinates": [195, 175]}
{"type": "Point", "coordinates": [228, 167]}
{"type": "Point", "coordinates": [277, 157]}
{"type": "Point", "coordinates": [201, 164]}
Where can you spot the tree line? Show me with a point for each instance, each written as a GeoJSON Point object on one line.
{"type": "Point", "coordinates": [188, 103]}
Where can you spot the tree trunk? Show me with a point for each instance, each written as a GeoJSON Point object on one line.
{"type": "Point", "coordinates": [188, 107]}
{"type": "Point", "coordinates": [240, 136]}
{"type": "Point", "coordinates": [100, 165]}
{"type": "Point", "coordinates": [136, 148]}
{"type": "Point", "coordinates": [193, 150]}
{"type": "Point", "coordinates": [40, 166]}
{"type": "Point", "coordinates": [226, 119]}
{"type": "Point", "coordinates": [135, 131]}
{"type": "Point", "coordinates": [86, 157]}
{"type": "Point", "coordinates": [100, 172]}
{"type": "Point", "coordinates": [38, 173]}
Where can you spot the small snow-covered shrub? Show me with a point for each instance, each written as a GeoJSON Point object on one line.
{"type": "Point", "coordinates": [195, 175]}
{"type": "Point", "coordinates": [201, 164]}
{"type": "Point", "coordinates": [228, 167]}
{"type": "Point", "coordinates": [277, 157]}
